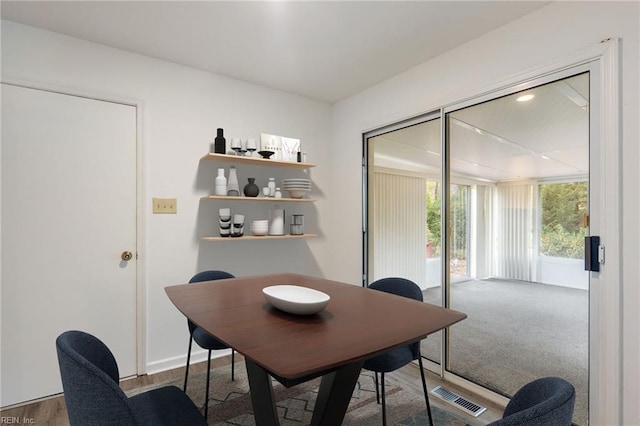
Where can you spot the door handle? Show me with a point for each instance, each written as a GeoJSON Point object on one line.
{"type": "Point", "coordinates": [591, 253]}
{"type": "Point", "coordinates": [126, 256]}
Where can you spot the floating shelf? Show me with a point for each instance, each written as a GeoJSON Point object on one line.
{"type": "Point", "coordinates": [262, 237]}
{"type": "Point", "coordinates": [267, 199]}
{"type": "Point", "coordinates": [257, 161]}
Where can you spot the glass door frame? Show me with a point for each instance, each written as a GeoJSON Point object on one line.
{"type": "Point", "coordinates": [446, 214]}
{"type": "Point", "coordinates": [605, 347]}
{"type": "Point", "coordinates": [422, 118]}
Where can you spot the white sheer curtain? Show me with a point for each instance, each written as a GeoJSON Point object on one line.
{"type": "Point", "coordinates": [398, 227]}
{"type": "Point", "coordinates": [514, 231]}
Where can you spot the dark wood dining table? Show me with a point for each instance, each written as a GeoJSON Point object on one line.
{"type": "Point", "coordinates": [357, 323]}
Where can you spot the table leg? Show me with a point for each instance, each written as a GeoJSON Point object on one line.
{"type": "Point", "coordinates": [334, 395]}
{"type": "Point", "coordinates": [264, 406]}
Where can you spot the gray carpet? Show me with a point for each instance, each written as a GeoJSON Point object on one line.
{"type": "Point", "coordinates": [516, 332]}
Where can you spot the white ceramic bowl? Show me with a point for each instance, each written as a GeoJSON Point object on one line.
{"type": "Point", "coordinates": [259, 230]}
{"type": "Point", "coordinates": [295, 299]}
{"type": "Point", "coordinates": [296, 193]}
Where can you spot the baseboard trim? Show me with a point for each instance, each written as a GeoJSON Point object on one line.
{"type": "Point", "coordinates": [181, 360]}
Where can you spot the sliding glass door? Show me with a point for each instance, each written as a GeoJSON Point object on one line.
{"type": "Point", "coordinates": [404, 205]}
{"type": "Point", "coordinates": [527, 297]}
{"type": "Point", "coordinates": [485, 205]}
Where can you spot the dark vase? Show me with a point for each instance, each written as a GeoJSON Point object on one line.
{"type": "Point", "coordinates": [251, 189]}
{"type": "Point", "coordinates": [220, 144]}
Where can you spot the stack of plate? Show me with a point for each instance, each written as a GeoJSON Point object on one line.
{"type": "Point", "coordinates": [296, 187]}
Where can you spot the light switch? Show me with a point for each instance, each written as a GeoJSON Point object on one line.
{"type": "Point", "coordinates": [165, 205]}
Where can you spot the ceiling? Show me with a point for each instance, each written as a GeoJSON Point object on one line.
{"type": "Point", "coordinates": [325, 50]}
{"type": "Point", "coordinates": [503, 139]}
{"type": "Point", "coordinates": [330, 50]}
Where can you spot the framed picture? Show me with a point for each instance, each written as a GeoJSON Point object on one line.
{"type": "Point", "coordinates": [290, 149]}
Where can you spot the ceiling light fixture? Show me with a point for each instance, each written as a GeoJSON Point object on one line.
{"type": "Point", "coordinates": [525, 98]}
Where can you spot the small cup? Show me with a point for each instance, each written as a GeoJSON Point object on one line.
{"type": "Point", "coordinates": [296, 229]}
{"type": "Point", "coordinates": [225, 214]}
{"type": "Point", "coordinates": [238, 219]}
{"type": "Point", "coordinates": [237, 231]}
{"type": "Point", "coordinates": [266, 191]}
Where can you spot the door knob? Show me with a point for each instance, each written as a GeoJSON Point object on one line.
{"type": "Point", "coordinates": [126, 256]}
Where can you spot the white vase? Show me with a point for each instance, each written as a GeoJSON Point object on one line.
{"type": "Point", "coordinates": [221, 183]}
{"type": "Point", "coordinates": [272, 187]}
{"type": "Point", "coordinates": [233, 187]}
{"type": "Point", "coordinates": [276, 221]}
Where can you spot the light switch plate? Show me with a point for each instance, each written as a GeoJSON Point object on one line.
{"type": "Point", "coordinates": [165, 205]}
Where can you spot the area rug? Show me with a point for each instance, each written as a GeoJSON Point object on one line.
{"type": "Point", "coordinates": [230, 402]}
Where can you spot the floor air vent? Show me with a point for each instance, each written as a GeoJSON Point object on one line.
{"type": "Point", "coordinates": [459, 402]}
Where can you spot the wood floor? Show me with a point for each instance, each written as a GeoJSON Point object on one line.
{"type": "Point", "coordinates": [52, 411]}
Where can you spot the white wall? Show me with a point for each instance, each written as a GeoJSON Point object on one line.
{"type": "Point", "coordinates": [544, 37]}
{"type": "Point", "coordinates": [182, 109]}
{"type": "Point", "coordinates": [184, 106]}
{"type": "Point", "coordinates": [563, 272]}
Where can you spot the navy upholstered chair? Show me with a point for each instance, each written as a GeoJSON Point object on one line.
{"type": "Point", "coordinates": [93, 397]}
{"type": "Point", "coordinates": [397, 357]}
{"type": "Point", "coordinates": [544, 402]}
{"type": "Point", "coordinates": [204, 339]}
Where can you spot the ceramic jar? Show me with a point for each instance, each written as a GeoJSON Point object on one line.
{"type": "Point", "coordinates": [221, 183]}
{"type": "Point", "coordinates": [232, 184]}
{"type": "Point", "coordinates": [251, 189]}
{"type": "Point", "coordinates": [276, 221]}
{"type": "Point", "coordinates": [272, 187]}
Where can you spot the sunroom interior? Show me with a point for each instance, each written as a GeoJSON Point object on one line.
{"type": "Point", "coordinates": [518, 176]}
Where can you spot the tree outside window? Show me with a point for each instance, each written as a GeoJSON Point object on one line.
{"type": "Point", "coordinates": [563, 208]}
{"type": "Point", "coordinates": [459, 201]}
{"type": "Point", "coordinates": [433, 219]}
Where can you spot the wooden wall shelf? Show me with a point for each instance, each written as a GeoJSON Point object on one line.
{"type": "Point", "coordinates": [264, 163]}
{"type": "Point", "coordinates": [256, 161]}
{"type": "Point", "coordinates": [265, 199]}
{"type": "Point", "coordinates": [263, 237]}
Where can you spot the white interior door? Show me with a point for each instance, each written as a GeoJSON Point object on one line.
{"type": "Point", "coordinates": [68, 213]}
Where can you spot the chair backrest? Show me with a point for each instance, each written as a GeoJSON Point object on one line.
{"type": "Point", "coordinates": [207, 276]}
{"type": "Point", "coordinates": [401, 287]}
{"type": "Point", "coordinates": [398, 286]}
{"type": "Point", "coordinates": [547, 401]}
{"type": "Point", "coordinates": [90, 381]}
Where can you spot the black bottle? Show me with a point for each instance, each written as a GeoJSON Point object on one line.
{"type": "Point", "coordinates": [220, 144]}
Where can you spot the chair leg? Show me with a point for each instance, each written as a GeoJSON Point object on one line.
{"type": "Point", "coordinates": [233, 364]}
{"type": "Point", "coordinates": [186, 372]}
{"type": "Point", "coordinates": [424, 388]}
{"type": "Point", "coordinates": [384, 403]}
{"type": "Point", "coordinates": [377, 388]}
{"type": "Point", "coordinates": [206, 397]}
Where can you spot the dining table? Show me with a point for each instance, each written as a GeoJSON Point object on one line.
{"type": "Point", "coordinates": [356, 324]}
